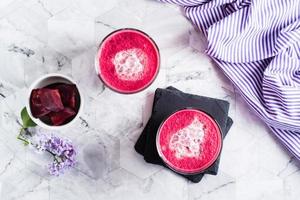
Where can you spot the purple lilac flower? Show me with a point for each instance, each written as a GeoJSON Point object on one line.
{"type": "Point", "coordinates": [63, 152]}
{"type": "Point", "coordinates": [38, 141]}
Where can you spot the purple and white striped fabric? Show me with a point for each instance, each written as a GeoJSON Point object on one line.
{"type": "Point", "coordinates": [257, 45]}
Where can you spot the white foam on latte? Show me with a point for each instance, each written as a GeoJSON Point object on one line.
{"type": "Point", "coordinates": [129, 64]}
{"type": "Point", "coordinates": [187, 141]}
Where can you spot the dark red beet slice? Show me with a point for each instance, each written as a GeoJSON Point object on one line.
{"type": "Point", "coordinates": [68, 94]}
{"type": "Point", "coordinates": [51, 100]}
{"type": "Point", "coordinates": [35, 97]}
{"type": "Point", "coordinates": [37, 109]}
{"type": "Point", "coordinates": [58, 118]}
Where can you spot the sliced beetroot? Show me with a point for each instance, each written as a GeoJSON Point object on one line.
{"type": "Point", "coordinates": [58, 118]}
{"type": "Point", "coordinates": [51, 99]}
{"type": "Point", "coordinates": [68, 94]}
{"type": "Point", "coordinates": [55, 104]}
{"type": "Point", "coordinates": [35, 97]}
{"type": "Point", "coordinates": [37, 109]}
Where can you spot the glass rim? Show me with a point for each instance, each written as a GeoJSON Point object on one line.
{"type": "Point", "coordinates": [206, 166]}
{"type": "Point", "coordinates": [97, 64]}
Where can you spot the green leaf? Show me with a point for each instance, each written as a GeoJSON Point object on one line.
{"type": "Point", "coordinates": [27, 121]}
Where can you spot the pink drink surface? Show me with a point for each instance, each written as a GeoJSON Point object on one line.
{"type": "Point", "coordinates": [128, 61]}
{"type": "Point", "coordinates": [189, 141]}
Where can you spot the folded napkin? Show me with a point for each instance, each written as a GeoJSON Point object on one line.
{"type": "Point", "coordinates": [166, 102]}
{"type": "Point", "coordinates": [256, 43]}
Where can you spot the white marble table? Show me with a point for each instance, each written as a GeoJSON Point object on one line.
{"type": "Point", "coordinates": [43, 36]}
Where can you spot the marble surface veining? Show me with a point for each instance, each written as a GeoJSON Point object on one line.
{"type": "Point", "coordinates": [43, 36]}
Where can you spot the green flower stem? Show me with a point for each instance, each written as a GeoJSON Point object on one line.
{"type": "Point", "coordinates": [26, 142]}
{"type": "Point", "coordinates": [22, 139]}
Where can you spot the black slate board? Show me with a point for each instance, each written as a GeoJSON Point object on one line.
{"type": "Point", "coordinates": [167, 101]}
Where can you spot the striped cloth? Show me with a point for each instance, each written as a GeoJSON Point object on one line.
{"type": "Point", "coordinates": [257, 45]}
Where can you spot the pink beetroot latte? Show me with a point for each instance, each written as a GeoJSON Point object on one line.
{"type": "Point", "coordinates": [128, 60]}
{"type": "Point", "coordinates": [189, 141]}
